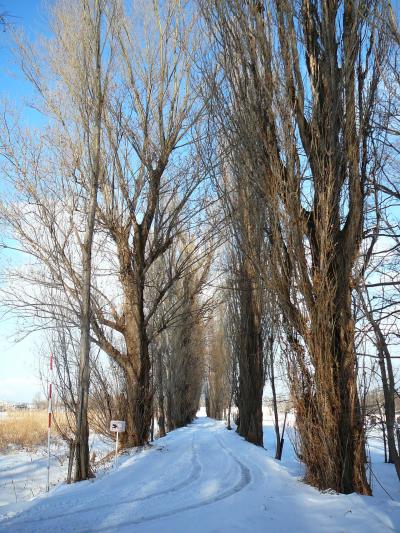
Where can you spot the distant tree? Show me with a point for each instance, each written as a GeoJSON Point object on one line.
{"type": "Point", "coordinates": [218, 368]}
{"type": "Point", "coordinates": [39, 402]}
{"type": "Point", "coordinates": [179, 350]}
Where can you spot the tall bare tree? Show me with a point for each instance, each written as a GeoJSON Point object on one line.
{"type": "Point", "coordinates": [148, 174]}
{"type": "Point", "coordinates": [89, 98]}
{"type": "Point", "coordinates": [378, 299]}
{"type": "Point", "coordinates": [70, 74]}
{"type": "Point", "coordinates": [146, 199]}
{"type": "Point", "coordinates": [304, 78]}
{"type": "Point", "coordinates": [244, 223]}
{"type": "Point", "coordinates": [219, 368]}
{"type": "Point", "coordinates": [179, 349]}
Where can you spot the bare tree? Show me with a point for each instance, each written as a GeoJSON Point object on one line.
{"type": "Point", "coordinates": [90, 103]}
{"type": "Point", "coordinates": [219, 368]}
{"type": "Point", "coordinates": [378, 298]}
{"type": "Point", "coordinates": [76, 56]}
{"type": "Point", "coordinates": [144, 199]}
{"type": "Point", "coordinates": [305, 97]}
{"type": "Point", "coordinates": [180, 347]}
{"type": "Point", "coordinates": [388, 381]}
{"type": "Point", "coordinates": [244, 223]}
{"type": "Point", "coordinates": [148, 173]}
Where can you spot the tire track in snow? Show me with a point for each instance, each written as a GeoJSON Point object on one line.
{"type": "Point", "coordinates": [245, 479]}
{"type": "Point", "coordinates": [193, 476]}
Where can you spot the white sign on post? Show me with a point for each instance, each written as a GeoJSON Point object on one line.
{"type": "Point", "coordinates": [117, 426]}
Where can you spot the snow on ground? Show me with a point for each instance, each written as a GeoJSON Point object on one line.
{"type": "Point", "coordinates": [384, 481]}
{"type": "Point", "coordinates": [203, 478]}
{"type": "Point", "coordinates": [23, 473]}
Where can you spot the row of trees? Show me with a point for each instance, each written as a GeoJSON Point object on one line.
{"type": "Point", "coordinates": [111, 203]}
{"type": "Point", "coordinates": [305, 108]}
{"type": "Point", "coordinates": [209, 213]}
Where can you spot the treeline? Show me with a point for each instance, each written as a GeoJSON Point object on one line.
{"type": "Point", "coordinates": [208, 201]}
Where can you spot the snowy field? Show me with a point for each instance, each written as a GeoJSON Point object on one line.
{"type": "Point", "coordinates": [23, 473]}
{"type": "Point", "coordinates": [201, 478]}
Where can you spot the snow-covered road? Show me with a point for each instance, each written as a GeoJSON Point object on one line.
{"type": "Point", "coordinates": [201, 478]}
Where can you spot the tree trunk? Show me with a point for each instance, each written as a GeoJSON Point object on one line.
{"type": "Point", "coordinates": [278, 450]}
{"type": "Point", "coordinates": [82, 426]}
{"type": "Point", "coordinates": [388, 385]}
{"type": "Point", "coordinates": [383, 428]}
{"type": "Point", "coordinates": [228, 425]}
{"type": "Point", "coordinates": [143, 394]}
{"type": "Point", "coordinates": [351, 455]}
{"type": "Point", "coordinates": [139, 403]}
{"type": "Point", "coordinates": [329, 418]}
{"type": "Point", "coordinates": [160, 391]}
{"type": "Point", "coordinates": [136, 363]}
{"type": "Point", "coordinates": [390, 413]}
{"type": "Point", "coordinates": [70, 460]}
{"type": "Point", "coordinates": [251, 378]}
{"type": "Point", "coordinates": [130, 438]}
{"type": "Point", "coordinates": [169, 419]}
{"type": "Point", "coordinates": [82, 470]}
{"type": "Point", "coordinates": [207, 400]}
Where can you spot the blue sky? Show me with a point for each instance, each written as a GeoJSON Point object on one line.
{"type": "Point", "coordinates": [30, 16]}
{"type": "Point", "coordinates": [19, 366]}
{"type": "Point", "coordinates": [19, 362]}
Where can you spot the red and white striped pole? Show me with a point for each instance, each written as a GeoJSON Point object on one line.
{"type": "Point", "coordinates": [49, 422]}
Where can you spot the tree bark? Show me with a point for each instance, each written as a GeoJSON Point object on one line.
{"type": "Point", "coordinates": [251, 376]}
{"type": "Point", "coordinates": [388, 385]}
{"type": "Point", "coordinates": [160, 394]}
{"type": "Point", "coordinates": [139, 395]}
{"type": "Point", "coordinates": [278, 450]}
{"type": "Point", "coordinates": [82, 470]}
{"type": "Point", "coordinates": [351, 452]}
